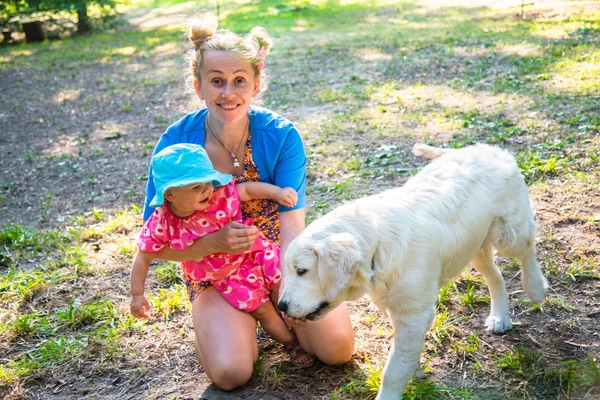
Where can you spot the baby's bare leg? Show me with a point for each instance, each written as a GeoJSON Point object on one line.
{"type": "Point", "coordinates": [298, 355]}
{"type": "Point", "coordinates": [272, 323]}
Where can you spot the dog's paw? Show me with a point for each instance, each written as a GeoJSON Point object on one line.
{"type": "Point", "coordinates": [536, 287]}
{"type": "Point", "coordinates": [498, 323]}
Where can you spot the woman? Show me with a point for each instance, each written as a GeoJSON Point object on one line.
{"type": "Point", "coordinates": [253, 144]}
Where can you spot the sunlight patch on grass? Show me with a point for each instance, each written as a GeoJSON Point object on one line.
{"type": "Point", "coordinates": [6, 59]}
{"type": "Point", "coordinates": [435, 111]}
{"type": "Point", "coordinates": [135, 67]}
{"type": "Point", "coordinates": [65, 95]}
{"type": "Point", "coordinates": [551, 31]}
{"type": "Point", "coordinates": [124, 51]}
{"type": "Point", "coordinates": [470, 51]}
{"type": "Point", "coordinates": [122, 247]}
{"type": "Point", "coordinates": [79, 51]}
{"type": "Point", "coordinates": [370, 54]}
{"type": "Point", "coordinates": [167, 50]}
{"type": "Point", "coordinates": [436, 4]}
{"type": "Point", "coordinates": [408, 24]}
{"type": "Point", "coordinates": [441, 328]}
{"type": "Point", "coordinates": [523, 49]}
{"type": "Point", "coordinates": [577, 77]}
{"type": "Point", "coordinates": [123, 221]}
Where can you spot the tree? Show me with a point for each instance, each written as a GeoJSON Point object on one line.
{"type": "Point", "coordinates": [77, 7]}
{"type": "Point", "coordinates": [10, 9]}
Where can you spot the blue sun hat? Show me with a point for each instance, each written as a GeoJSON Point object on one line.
{"type": "Point", "coordinates": [180, 165]}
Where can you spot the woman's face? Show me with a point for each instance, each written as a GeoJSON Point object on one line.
{"type": "Point", "coordinates": [227, 85]}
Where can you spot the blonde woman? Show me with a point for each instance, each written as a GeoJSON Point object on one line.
{"type": "Point", "coordinates": [252, 144]}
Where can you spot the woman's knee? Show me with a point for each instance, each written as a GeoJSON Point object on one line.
{"type": "Point", "coordinates": [339, 349]}
{"type": "Point", "coordinates": [230, 376]}
{"type": "Point", "coordinates": [331, 339]}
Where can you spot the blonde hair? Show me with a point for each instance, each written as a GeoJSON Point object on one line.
{"type": "Point", "coordinates": [204, 34]}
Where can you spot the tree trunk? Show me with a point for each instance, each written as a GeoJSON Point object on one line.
{"type": "Point", "coordinates": [83, 21]}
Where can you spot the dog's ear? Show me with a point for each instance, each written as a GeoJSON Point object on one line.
{"type": "Point", "coordinates": [338, 258]}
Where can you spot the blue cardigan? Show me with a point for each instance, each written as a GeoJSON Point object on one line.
{"type": "Point", "coordinates": [277, 150]}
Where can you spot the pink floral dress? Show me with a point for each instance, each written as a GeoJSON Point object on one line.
{"type": "Point", "coordinates": [246, 279]}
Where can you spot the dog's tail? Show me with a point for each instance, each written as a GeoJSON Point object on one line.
{"type": "Point", "coordinates": [421, 149]}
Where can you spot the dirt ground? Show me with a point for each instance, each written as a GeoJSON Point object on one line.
{"type": "Point", "coordinates": [63, 158]}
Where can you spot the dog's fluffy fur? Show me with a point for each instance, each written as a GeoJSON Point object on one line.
{"type": "Point", "coordinates": [402, 245]}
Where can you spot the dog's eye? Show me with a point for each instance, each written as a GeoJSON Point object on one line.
{"type": "Point", "coordinates": [300, 271]}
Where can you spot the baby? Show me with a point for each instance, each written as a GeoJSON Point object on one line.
{"type": "Point", "coordinates": [192, 200]}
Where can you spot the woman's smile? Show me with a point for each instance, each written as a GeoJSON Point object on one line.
{"type": "Point", "coordinates": [228, 106]}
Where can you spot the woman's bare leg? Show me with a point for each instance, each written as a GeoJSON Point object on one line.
{"type": "Point", "coordinates": [330, 339]}
{"type": "Point", "coordinates": [225, 341]}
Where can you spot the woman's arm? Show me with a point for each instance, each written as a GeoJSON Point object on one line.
{"type": "Point", "coordinates": [291, 224]}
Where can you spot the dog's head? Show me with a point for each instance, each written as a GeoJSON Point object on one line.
{"type": "Point", "coordinates": [320, 269]}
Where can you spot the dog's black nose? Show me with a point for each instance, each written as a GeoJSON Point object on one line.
{"type": "Point", "coordinates": [283, 306]}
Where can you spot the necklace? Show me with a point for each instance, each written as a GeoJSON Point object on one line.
{"type": "Point", "coordinates": [236, 161]}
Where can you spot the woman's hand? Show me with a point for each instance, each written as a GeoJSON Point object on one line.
{"type": "Point", "coordinates": [233, 238]}
{"type": "Point", "coordinates": [287, 196]}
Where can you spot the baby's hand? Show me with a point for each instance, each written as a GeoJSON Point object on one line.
{"type": "Point", "coordinates": [293, 322]}
{"type": "Point", "coordinates": [288, 197]}
{"type": "Point", "coordinates": [139, 306]}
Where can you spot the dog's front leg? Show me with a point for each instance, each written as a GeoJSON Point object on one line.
{"type": "Point", "coordinates": [410, 329]}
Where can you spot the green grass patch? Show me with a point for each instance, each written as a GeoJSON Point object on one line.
{"type": "Point", "coordinates": [365, 384]}
{"type": "Point", "coordinates": [18, 239]}
{"type": "Point", "coordinates": [168, 274]}
{"type": "Point", "coordinates": [169, 301]}
{"type": "Point", "coordinates": [571, 376]}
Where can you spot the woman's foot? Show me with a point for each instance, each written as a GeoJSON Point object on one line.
{"type": "Point", "coordinates": [299, 357]}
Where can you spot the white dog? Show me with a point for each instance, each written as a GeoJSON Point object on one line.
{"type": "Point", "coordinates": [402, 245]}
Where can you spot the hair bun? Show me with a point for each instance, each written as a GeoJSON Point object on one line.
{"type": "Point", "coordinates": [262, 38]}
{"type": "Point", "coordinates": [201, 29]}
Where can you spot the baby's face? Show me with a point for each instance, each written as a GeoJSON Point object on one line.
{"type": "Point", "coordinates": [190, 198]}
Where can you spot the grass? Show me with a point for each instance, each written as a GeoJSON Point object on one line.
{"type": "Point", "coordinates": [362, 81]}
{"type": "Point", "coordinates": [168, 302]}
{"type": "Point", "coordinates": [570, 376]}
{"type": "Point", "coordinates": [169, 274]}
{"type": "Point", "coordinates": [469, 345]}
{"type": "Point", "coordinates": [366, 382]}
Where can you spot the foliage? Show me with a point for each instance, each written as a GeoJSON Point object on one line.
{"type": "Point", "coordinates": [80, 8]}
{"type": "Point", "coordinates": [12, 11]}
